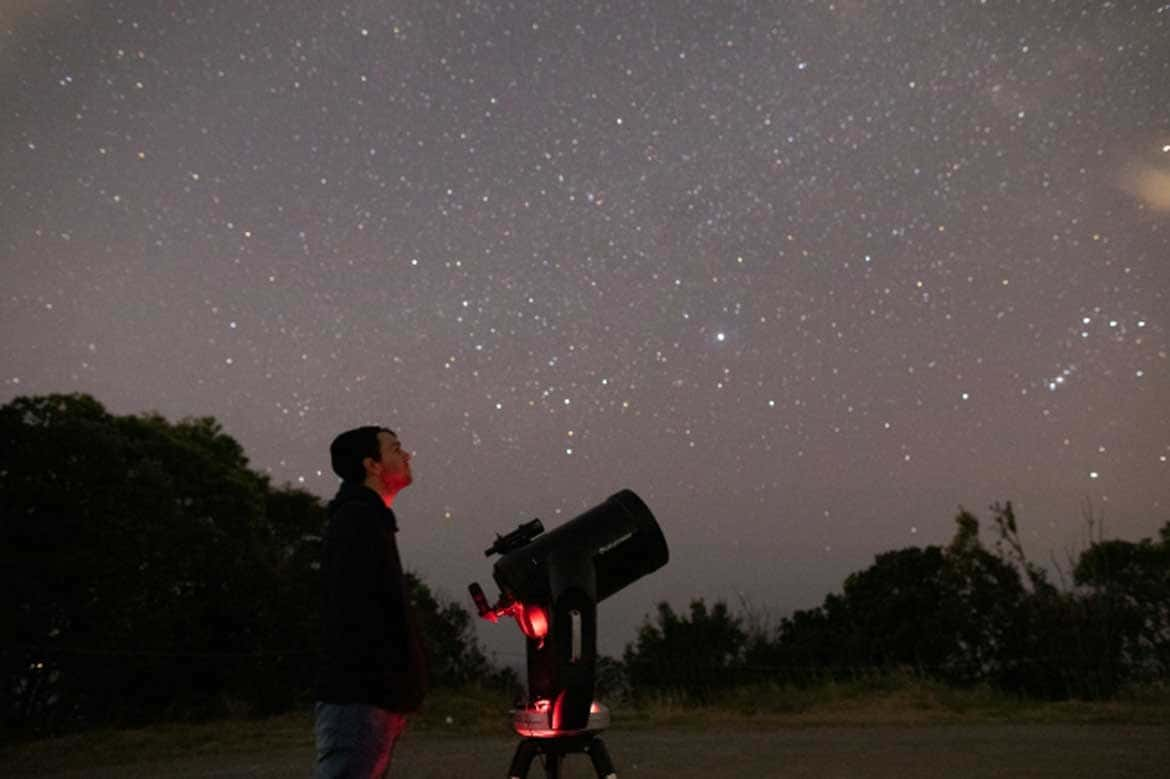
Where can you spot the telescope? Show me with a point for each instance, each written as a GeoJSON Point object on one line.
{"type": "Point", "coordinates": [551, 584]}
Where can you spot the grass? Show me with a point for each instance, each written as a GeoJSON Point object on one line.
{"type": "Point", "coordinates": [468, 712]}
{"type": "Point", "coordinates": [891, 699]}
{"type": "Point", "coordinates": [886, 700]}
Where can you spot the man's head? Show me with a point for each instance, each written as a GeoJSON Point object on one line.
{"type": "Point", "coordinates": [372, 456]}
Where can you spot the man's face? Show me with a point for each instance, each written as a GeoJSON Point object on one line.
{"type": "Point", "coordinates": [394, 469]}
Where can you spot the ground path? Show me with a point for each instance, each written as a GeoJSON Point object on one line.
{"type": "Point", "coordinates": [1063, 751]}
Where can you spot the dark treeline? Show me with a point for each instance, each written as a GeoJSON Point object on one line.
{"type": "Point", "coordinates": [149, 574]}
{"type": "Point", "coordinates": [964, 615]}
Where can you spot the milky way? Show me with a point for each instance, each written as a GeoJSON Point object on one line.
{"type": "Point", "coordinates": [806, 276]}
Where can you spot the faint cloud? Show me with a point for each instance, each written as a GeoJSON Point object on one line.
{"type": "Point", "coordinates": [1149, 182]}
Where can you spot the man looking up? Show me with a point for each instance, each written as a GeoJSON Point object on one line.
{"type": "Point", "coordinates": [372, 669]}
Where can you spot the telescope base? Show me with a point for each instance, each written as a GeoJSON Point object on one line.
{"type": "Point", "coordinates": [555, 750]}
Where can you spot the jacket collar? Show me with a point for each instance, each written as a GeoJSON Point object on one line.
{"type": "Point", "coordinates": [356, 492]}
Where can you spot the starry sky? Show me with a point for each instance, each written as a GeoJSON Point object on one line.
{"type": "Point", "coordinates": [806, 276]}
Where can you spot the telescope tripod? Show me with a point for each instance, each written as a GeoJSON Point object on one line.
{"type": "Point", "coordinates": [555, 749]}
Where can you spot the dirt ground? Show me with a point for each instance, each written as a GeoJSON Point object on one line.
{"type": "Point", "coordinates": [1064, 751]}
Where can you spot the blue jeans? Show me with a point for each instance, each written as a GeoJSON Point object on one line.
{"type": "Point", "coordinates": [355, 740]}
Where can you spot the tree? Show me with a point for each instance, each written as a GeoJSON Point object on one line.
{"type": "Point", "coordinates": [453, 650]}
{"type": "Point", "coordinates": [900, 612]}
{"type": "Point", "coordinates": [1062, 644]}
{"type": "Point", "coordinates": [133, 551]}
{"type": "Point", "coordinates": [946, 612]}
{"type": "Point", "coordinates": [988, 596]}
{"type": "Point", "coordinates": [695, 656]}
{"type": "Point", "coordinates": [150, 573]}
{"type": "Point", "coordinates": [1131, 581]}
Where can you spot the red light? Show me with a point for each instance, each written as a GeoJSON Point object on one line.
{"type": "Point", "coordinates": [544, 719]}
{"type": "Point", "coordinates": [533, 621]}
{"type": "Point", "coordinates": [557, 714]}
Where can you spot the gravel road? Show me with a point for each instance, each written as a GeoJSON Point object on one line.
{"type": "Point", "coordinates": [1058, 751]}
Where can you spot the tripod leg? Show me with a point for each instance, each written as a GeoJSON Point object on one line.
{"type": "Point", "coordinates": [600, 757]}
{"type": "Point", "coordinates": [552, 764]}
{"type": "Point", "coordinates": [526, 750]}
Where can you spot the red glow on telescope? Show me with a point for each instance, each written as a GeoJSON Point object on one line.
{"type": "Point", "coordinates": [544, 719]}
{"type": "Point", "coordinates": [533, 621]}
{"type": "Point", "coordinates": [557, 713]}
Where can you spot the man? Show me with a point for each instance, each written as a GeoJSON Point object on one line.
{"type": "Point", "coordinates": [372, 671]}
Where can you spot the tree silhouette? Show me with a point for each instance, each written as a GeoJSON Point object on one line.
{"type": "Point", "coordinates": [695, 654]}
{"type": "Point", "coordinates": [150, 573]}
{"type": "Point", "coordinates": [1131, 582]}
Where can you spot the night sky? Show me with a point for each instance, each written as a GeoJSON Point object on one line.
{"type": "Point", "coordinates": [806, 276]}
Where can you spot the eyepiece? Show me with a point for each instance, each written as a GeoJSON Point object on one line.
{"type": "Point", "coordinates": [480, 599]}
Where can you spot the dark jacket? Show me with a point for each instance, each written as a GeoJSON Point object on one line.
{"type": "Point", "coordinates": [371, 651]}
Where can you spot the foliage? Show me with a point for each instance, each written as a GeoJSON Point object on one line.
{"type": "Point", "coordinates": [698, 654]}
{"type": "Point", "coordinates": [1130, 583]}
{"type": "Point", "coordinates": [963, 615]}
{"type": "Point", "coordinates": [943, 612]}
{"type": "Point", "coordinates": [150, 574]}
{"type": "Point", "coordinates": [453, 651]}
